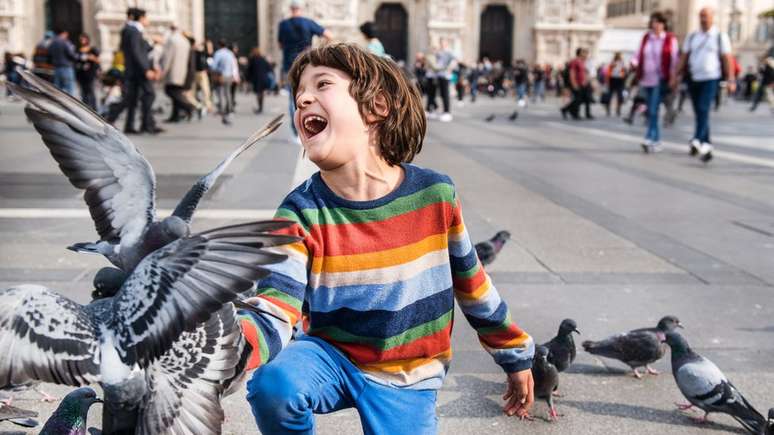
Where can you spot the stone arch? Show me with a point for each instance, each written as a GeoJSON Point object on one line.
{"type": "Point", "coordinates": [496, 33]}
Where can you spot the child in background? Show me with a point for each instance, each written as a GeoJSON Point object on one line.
{"type": "Point", "coordinates": [384, 255]}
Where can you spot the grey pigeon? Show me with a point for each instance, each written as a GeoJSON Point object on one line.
{"type": "Point", "coordinates": [562, 347]}
{"type": "Point", "coordinates": [546, 377]}
{"type": "Point", "coordinates": [636, 348]}
{"type": "Point", "coordinates": [107, 282]}
{"type": "Point", "coordinates": [487, 250]}
{"type": "Point", "coordinates": [490, 118]}
{"type": "Point", "coordinates": [151, 329]}
{"type": "Point", "coordinates": [707, 388]}
{"type": "Point", "coordinates": [513, 116]}
{"type": "Point", "coordinates": [118, 182]}
{"type": "Point", "coordinates": [70, 416]}
{"type": "Point", "coordinates": [18, 416]}
{"type": "Point", "coordinates": [770, 423]}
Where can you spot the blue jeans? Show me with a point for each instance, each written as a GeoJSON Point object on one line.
{"type": "Point", "coordinates": [653, 97]}
{"type": "Point", "coordinates": [311, 377]}
{"type": "Point", "coordinates": [64, 79]}
{"type": "Point", "coordinates": [702, 96]}
{"type": "Point", "coordinates": [521, 91]}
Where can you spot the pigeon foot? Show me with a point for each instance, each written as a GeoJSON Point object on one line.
{"type": "Point", "coordinates": [683, 406]}
{"type": "Point", "coordinates": [7, 402]}
{"type": "Point", "coordinates": [556, 393]}
{"type": "Point", "coordinates": [46, 397]}
{"type": "Point", "coordinates": [553, 415]}
{"type": "Point", "coordinates": [652, 371]}
{"type": "Point", "coordinates": [701, 420]}
{"type": "Point", "coordinates": [636, 374]}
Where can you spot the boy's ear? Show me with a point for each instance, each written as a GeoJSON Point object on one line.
{"type": "Point", "coordinates": [380, 109]}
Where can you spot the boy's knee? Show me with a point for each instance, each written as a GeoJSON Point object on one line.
{"type": "Point", "coordinates": [273, 391]}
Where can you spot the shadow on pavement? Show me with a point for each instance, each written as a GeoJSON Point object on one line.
{"type": "Point", "coordinates": [473, 401]}
{"type": "Point", "coordinates": [596, 370]}
{"type": "Point", "coordinates": [645, 414]}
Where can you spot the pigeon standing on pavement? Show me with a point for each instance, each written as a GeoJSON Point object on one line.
{"type": "Point", "coordinates": [155, 347]}
{"type": "Point", "coordinates": [637, 348]}
{"type": "Point", "coordinates": [562, 347]}
{"type": "Point", "coordinates": [18, 416]}
{"type": "Point", "coordinates": [546, 377]}
{"type": "Point", "coordinates": [118, 182]}
{"type": "Point", "coordinates": [69, 418]}
{"type": "Point", "coordinates": [707, 388]}
{"type": "Point", "coordinates": [487, 250]}
{"type": "Point", "coordinates": [490, 118]}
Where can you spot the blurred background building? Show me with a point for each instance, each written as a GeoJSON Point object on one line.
{"type": "Point", "coordinates": [545, 31]}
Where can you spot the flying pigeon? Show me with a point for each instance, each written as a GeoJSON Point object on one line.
{"type": "Point", "coordinates": [707, 388]}
{"type": "Point", "coordinates": [70, 416]}
{"type": "Point", "coordinates": [562, 347]}
{"type": "Point", "coordinates": [118, 182]}
{"type": "Point", "coordinates": [18, 416]}
{"type": "Point", "coordinates": [148, 329]}
{"type": "Point", "coordinates": [636, 348]}
{"type": "Point", "coordinates": [546, 378]}
{"type": "Point", "coordinates": [487, 250]}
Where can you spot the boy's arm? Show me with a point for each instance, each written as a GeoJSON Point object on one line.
{"type": "Point", "coordinates": [280, 295]}
{"type": "Point", "coordinates": [511, 347]}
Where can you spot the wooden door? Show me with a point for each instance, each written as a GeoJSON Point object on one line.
{"type": "Point", "coordinates": [496, 39]}
{"type": "Point", "coordinates": [391, 25]}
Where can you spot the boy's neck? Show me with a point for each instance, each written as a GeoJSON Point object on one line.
{"type": "Point", "coordinates": [364, 179]}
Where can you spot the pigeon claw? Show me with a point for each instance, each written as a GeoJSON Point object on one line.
{"type": "Point", "coordinates": [636, 374]}
{"type": "Point", "coordinates": [652, 371]}
{"type": "Point", "coordinates": [683, 406]}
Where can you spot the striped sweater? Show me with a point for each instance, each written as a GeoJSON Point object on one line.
{"type": "Point", "coordinates": [379, 280]}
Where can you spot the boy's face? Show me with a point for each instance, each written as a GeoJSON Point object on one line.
{"type": "Point", "coordinates": [327, 118]}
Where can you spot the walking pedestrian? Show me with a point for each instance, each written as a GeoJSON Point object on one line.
{"type": "Point", "coordinates": [295, 35]}
{"type": "Point", "coordinates": [41, 59]}
{"type": "Point", "coordinates": [225, 71]}
{"type": "Point", "coordinates": [86, 70]}
{"type": "Point", "coordinates": [174, 72]}
{"type": "Point", "coordinates": [373, 44]}
{"type": "Point", "coordinates": [258, 70]}
{"type": "Point", "coordinates": [706, 54]}
{"type": "Point", "coordinates": [521, 81]}
{"type": "Point", "coordinates": [616, 82]}
{"type": "Point", "coordinates": [201, 75]}
{"type": "Point", "coordinates": [580, 86]}
{"type": "Point", "coordinates": [446, 62]}
{"type": "Point", "coordinates": [139, 73]}
{"type": "Point", "coordinates": [538, 83]}
{"type": "Point", "coordinates": [766, 81]}
{"type": "Point", "coordinates": [63, 57]}
{"type": "Point", "coordinates": [657, 61]}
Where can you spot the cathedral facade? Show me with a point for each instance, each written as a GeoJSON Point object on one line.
{"type": "Point", "coordinates": [545, 31]}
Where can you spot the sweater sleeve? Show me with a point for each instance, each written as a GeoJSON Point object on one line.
{"type": "Point", "coordinates": [511, 347]}
{"type": "Point", "coordinates": [281, 294]}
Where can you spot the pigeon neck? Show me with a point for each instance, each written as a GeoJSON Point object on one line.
{"type": "Point", "coordinates": [68, 420]}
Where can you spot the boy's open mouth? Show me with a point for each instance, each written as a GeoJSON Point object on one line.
{"type": "Point", "coordinates": [313, 124]}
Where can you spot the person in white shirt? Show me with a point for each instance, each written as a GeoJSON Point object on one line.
{"type": "Point", "coordinates": [226, 71]}
{"type": "Point", "coordinates": [707, 53]}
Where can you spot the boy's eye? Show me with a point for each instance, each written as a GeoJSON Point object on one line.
{"type": "Point", "coordinates": [322, 84]}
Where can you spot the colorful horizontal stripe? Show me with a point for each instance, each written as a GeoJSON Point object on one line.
{"type": "Point", "coordinates": [380, 279]}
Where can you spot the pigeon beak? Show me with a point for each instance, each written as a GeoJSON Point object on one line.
{"type": "Point", "coordinates": [680, 325]}
{"type": "Point", "coordinates": [576, 331]}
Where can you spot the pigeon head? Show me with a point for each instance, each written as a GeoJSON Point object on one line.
{"type": "Point", "coordinates": [669, 323]}
{"type": "Point", "coordinates": [677, 342]}
{"type": "Point", "coordinates": [502, 236]}
{"type": "Point", "coordinates": [173, 228]}
{"type": "Point", "coordinates": [568, 326]}
{"type": "Point", "coordinates": [771, 416]}
{"type": "Point", "coordinates": [107, 282]}
{"type": "Point", "coordinates": [72, 411]}
{"type": "Point", "coordinates": [541, 353]}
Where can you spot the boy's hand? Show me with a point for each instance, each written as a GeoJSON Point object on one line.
{"type": "Point", "coordinates": [520, 394]}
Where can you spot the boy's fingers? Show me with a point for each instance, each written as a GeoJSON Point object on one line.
{"type": "Point", "coordinates": [508, 391]}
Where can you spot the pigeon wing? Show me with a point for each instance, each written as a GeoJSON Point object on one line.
{"type": "Point", "coordinates": [187, 206]}
{"type": "Point", "coordinates": [46, 337]}
{"type": "Point", "coordinates": [177, 287]}
{"type": "Point", "coordinates": [119, 183]}
{"type": "Point", "coordinates": [485, 252]}
{"type": "Point", "coordinates": [187, 382]}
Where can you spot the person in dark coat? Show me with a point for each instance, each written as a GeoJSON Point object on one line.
{"type": "Point", "coordinates": [86, 70]}
{"type": "Point", "coordinates": [258, 71]}
{"type": "Point", "coordinates": [139, 73]}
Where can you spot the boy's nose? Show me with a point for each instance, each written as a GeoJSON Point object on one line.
{"type": "Point", "coordinates": [304, 100]}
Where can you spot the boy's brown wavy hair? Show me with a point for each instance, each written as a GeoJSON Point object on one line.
{"type": "Point", "coordinates": [402, 131]}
